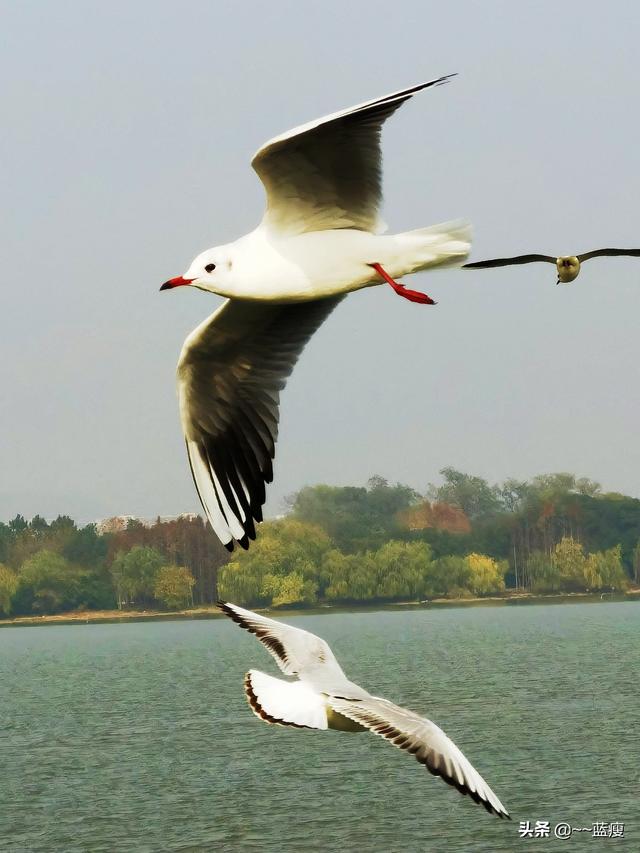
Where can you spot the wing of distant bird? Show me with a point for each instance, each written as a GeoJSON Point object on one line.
{"type": "Point", "coordinates": [598, 253]}
{"type": "Point", "coordinates": [507, 262]}
{"type": "Point", "coordinates": [230, 374]}
{"type": "Point", "coordinates": [328, 173]}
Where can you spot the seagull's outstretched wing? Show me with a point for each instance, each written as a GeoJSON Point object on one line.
{"type": "Point", "coordinates": [327, 173]}
{"type": "Point", "coordinates": [426, 741]}
{"type": "Point", "coordinates": [507, 262]}
{"type": "Point", "coordinates": [599, 253]}
{"type": "Point", "coordinates": [230, 374]}
{"type": "Point", "coordinates": [297, 652]}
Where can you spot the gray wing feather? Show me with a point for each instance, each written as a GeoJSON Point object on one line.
{"type": "Point", "coordinates": [230, 374]}
{"type": "Point", "coordinates": [425, 740]}
{"type": "Point", "coordinates": [297, 652]}
{"type": "Point", "coordinates": [327, 173]}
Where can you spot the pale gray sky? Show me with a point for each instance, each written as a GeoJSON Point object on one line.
{"type": "Point", "coordinates": [127, 134]}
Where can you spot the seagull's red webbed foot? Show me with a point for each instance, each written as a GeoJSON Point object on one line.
{"type": "Point", "coordinates": [401, 290]}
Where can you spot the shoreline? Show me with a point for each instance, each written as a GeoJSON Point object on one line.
{"type": "Point", "coordinates": [212, 612]}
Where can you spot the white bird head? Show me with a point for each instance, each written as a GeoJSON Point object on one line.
{"type": "Point", "coordinates": [211, 270]}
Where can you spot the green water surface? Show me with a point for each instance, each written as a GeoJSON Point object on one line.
{"type": "Point", "coordinates": [137, 737]}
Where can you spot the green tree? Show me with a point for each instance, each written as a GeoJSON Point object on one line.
{"type": "Point", "coordinates": [38, 525]}
{"type": "Point", "coordinates": [604, 570]}
{"type": "Point", "coordinates": [97, 591]}
{"type": "Point", "coordinates": [7, 537]}
{"type": "Point", "coordinates": [543, 574]}
{"type": "Point", "coordinates": [402, 569]}
{"type": "Point", "coordinates": [23, 545]}
{"type": "Point", "coordinates": [241, 585]}
{"type": "Point", "coordinates": [609, 520]}
{"type": "Point", "coordinates": [285, 547]}
{"type": "Point", "coordinates": [85, 546]}
{"type": "Point", "coordinates": [563, 483]}
{"type": "Point", "coordinates": [183, 541]}
{"type": "Point", "coordinates": [134, 574]}
{"type": "Point", "coordinates": [335, 575]}
{"type": "Point", "coordinates": [18, 524]}
{"type": "Point", "coordinates": [473, 495]}
{"type": "Point", "coordinates": [396, 571]}
{"type": "Point", "coordinates": [173, 586]}
{"type": "Point", "coordinates": [356, 518]}
{"type": "Point", "coordinates": [349, 577]}
{"type": "Point", "coordinates": [448, 576]}
{"type": "Point", "coordinates": [61, 533]}
{"type": "Point", "coordinates": [8, 588]}
{"type": "Point", "coordinates": [48, 583]}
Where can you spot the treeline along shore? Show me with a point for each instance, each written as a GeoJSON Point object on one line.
{"type": "Point", "coordinates": [344, 545]}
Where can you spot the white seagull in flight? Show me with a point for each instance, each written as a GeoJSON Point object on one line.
{"type": "Point", "coordinates": [323, 698]}
{"type": "Point", "coordinates": [318, 240]}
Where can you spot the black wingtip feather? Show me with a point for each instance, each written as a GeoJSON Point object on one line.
{"type": "Point", "coordinates": [249, 526]}
{"type": "Point", "coordinates": [239, 455]}
{"type": "Point", "coordinates": [272, 643]}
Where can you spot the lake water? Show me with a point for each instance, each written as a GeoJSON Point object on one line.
{"type": "Point", "coordinates": [136, 736]}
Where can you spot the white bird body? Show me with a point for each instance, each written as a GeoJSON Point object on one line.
{"type": "Point", "coordinates": [318, 240]}
{"type": "Point", "coordinates": [323, 698]}
{"type": "Point", "coordinates": [265, 266]}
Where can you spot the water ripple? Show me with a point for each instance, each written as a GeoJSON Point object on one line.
{"type": "Point", "coordinates": [136, 737]}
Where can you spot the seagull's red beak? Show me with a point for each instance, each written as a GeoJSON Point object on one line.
{"type": "Point", "coordinates": [176, 282]}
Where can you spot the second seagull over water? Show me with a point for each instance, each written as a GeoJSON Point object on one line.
{"type": "Point", "coordinates": [567, 266]}
{"type": "Point", "coordinates": [323, 698]}
{"type": "Point", "coordinates": [320, 238]}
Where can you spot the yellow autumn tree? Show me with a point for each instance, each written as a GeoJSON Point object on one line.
{"type": "Point", "coordinates": [604, 570]}
{"type": "Point", "coordinates": [486, 574]}
{"type": "Point", "coordinates": [173, 586]}
{"type": "Point", "coordinates": [570, 562]}
{"type": "Point", "coordinates": [281, 567]}
{"type": "Point", "coordinates": [289, 589]}
{"type": "Point", "coordinates": [8, 587]}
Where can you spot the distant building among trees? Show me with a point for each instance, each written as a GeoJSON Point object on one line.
{"type": "Point", "coordinates": [119, 523]}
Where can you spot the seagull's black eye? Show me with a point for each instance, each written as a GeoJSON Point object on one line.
{"type": "Point", "coordinates": [209, 267]}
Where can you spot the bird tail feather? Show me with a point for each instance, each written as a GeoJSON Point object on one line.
{"type": "Point", "coordinates": [444, 245]}
{"type": "Point", "coordinates": [284, 703]}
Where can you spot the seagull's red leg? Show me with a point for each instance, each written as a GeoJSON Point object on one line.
{"type": "Point", "coordinates": [401, 290]}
